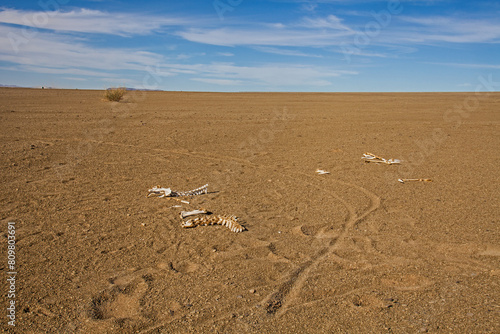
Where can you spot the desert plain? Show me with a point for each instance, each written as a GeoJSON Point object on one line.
{"type": "Point", "coordinates": [352, 251]}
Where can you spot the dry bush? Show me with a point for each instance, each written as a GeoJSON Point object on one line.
{"type": "Point", "coordinates": [115, 94]}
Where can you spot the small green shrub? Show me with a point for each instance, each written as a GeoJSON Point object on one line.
{"type": "Point", "coordinates": [114, 94]}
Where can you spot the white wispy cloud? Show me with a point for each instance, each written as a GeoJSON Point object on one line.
{"type": "Point", "coordinates": [48, 52]}
{"type": "Point", "coordinates": [275, 25]}
{"type": "Point", "coordinates": [90, 21]}
{"type": "Point", "coordinates": [267, 75]}
{"type": "Point", "coordinates": [449, 29]}
{"type": "Point", "coordinates": [332, 31]}
{"type": "Point", "coordinates": [269, 37]}
{"type": "Point", "coordinates": [62, 55]}
{"type": "Point", "coordinates": [285, 52]}
{"type": "Point", "coordinates": [329, 22]}
{"type": "Point", "coordinates": [465, 65]}
{"type": "Point", "coordinates": [224, 82]}
{"type": "Point", "coordinates": [191, 55]}
{"type": "Point", "coordinates": [360, 52]}
{"type": "Point", "coordinates": [309, 7]}
{"type": "Point", "coordinates": [61, 70]}
{"type": "Point", "coordinates": [75, 78]}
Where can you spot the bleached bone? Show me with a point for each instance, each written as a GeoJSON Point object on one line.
{"type": "Point", "coordinates": [229, 221]}
{"type": "Point", "coordinates": [179, 200]}
{"type": "Point", "coordinates": [185, 214]}
{"type": "Point", "coordinates": [417, 180]}
{"type": "Point", "coordinates": [167, 192]}
{"type": "Point", "coordinates": [163, 192]}
{"type": "Point", "coordinates": [322, 172]}
{"type": "Point", "coordinates": [369, 157]}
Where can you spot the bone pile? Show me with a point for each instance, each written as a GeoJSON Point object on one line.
{"type": "Point", "coordinates": [167, 192]}
{"type": "Point", "coordinates": [369, 157]}
{"type": "Point", "coordinates": [208, 219]}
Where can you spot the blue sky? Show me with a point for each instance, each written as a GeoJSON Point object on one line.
{"type": "Point", "coordinates": [251, 45]}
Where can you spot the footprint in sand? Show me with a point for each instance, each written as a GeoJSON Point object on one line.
{"type": "Point", "coordinates": [304, 231]}
{"type": "Point", "coordinates": [119, 304]}
{"type": "Point", "coordinates": [119, 301]}
{"type": "Point", "coordinates": [184, 267]}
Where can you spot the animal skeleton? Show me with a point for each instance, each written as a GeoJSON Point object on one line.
{"type": "Point", "coordinates": [322, 172]}
{"type": "Point", "coordinates": [167, 192]}
{"type": "Point", "coordinates": [369, 157]}
{"type": "Point", "coordinates": [228, 221]}
{"type": "Point", "coordinates": [421, 180]}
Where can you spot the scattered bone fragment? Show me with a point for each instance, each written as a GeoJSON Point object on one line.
{"type": "Point", "coordinates": [414, 180]}
{"type": "Point", "coordinates": [322, 172]}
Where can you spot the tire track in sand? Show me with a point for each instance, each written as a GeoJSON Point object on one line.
{"type": "Point", "coordinates": [281, 300]}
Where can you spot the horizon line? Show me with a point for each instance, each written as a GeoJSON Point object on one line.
{"type": "Point", "coordinates": [243, 92]}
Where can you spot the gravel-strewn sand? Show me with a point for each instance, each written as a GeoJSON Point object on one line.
{"type": "Point", "coordinates": [354, 251]}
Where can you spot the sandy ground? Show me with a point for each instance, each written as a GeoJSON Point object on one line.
{"type": "Point", "coordinates": [354, 251]}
